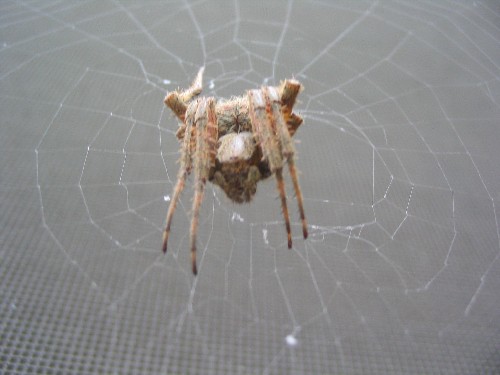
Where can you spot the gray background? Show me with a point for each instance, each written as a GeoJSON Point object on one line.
{"type": "Point", "coordinates": [399, 156]}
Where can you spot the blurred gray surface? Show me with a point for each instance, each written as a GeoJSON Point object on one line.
{"type": "Point", "coordinates": [398, 154]}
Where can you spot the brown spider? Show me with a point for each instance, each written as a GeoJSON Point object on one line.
{"type": "Point", "coordinates": [234, 144]}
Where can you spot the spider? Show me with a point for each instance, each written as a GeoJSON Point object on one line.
{"type": "Point", "coordinates": [234, 144]}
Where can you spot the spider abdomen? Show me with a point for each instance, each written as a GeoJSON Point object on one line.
{"type": "Point", "coordinates": [237, 167]}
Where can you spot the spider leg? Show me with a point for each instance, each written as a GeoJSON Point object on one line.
{"type": "Point", "coordinates": [179, 186]}
{"type": "Point", "coordinates": [289, 91]}
{"type": "Point", "coordinates": [264, 119]}
{"type": "Point", "coordinates": [195, 88]}
{"type": "Point", "coordinates": [282, 116]}
{"type": "Point", "coordinates": [184, 171]}
{"type": "Point", "coordinates": [177, 101]}
{"type": "Point", "coordinates": [205, 122]}
{"type": "Point", "coordinates": [281, 189]}
{"type": "Point", "coordinates": [298, 195]}
{"type": "Point", "coordinates": [273, 121]}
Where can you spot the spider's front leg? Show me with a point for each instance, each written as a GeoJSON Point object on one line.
{"type": "Point", "coordinates": [205, 122]}
{"type": "Point", "coordinates": [186, 162]}
{"type": "Point", "coordinates": [269, 116]}
{"type": "Point", "coordinates": [264, 127]}
{"type": "Point", "coordinates": [198, 152]}
{"type": "Point", "coordinates": [288, 92]}
{"type": "Point", "coordinates": [178, 101]}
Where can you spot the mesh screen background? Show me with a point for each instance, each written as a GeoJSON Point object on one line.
{"type": "Point", "coordinates": [398, 156]}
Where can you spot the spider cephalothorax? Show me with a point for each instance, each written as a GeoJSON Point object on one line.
{"type": "Point", "coordinates": [234, 144]}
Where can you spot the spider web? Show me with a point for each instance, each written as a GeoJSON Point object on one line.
{"type": "Point", "coordinates": [398, 156]}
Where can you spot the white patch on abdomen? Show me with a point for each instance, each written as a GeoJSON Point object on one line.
{"type": "Point", "coordinates": [235, 147]}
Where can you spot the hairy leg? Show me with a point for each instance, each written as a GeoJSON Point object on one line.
{"type": "Point", "coordinates": [178, 101]}
{"type": "Point", "coordinates": [206, 143]}
{"type": "Point", "coordinates": [184, 171]}
{"type": "Point", "coordinates": [298, 195]}
{"type": "Point", "coordinates": [289, 92]}
{"type": "Point", "coordinates": [264, 118]}
{"type": "Point", "coordinates": [284, 208]}
{"type": "Point", "coordinates": [269, 110]}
